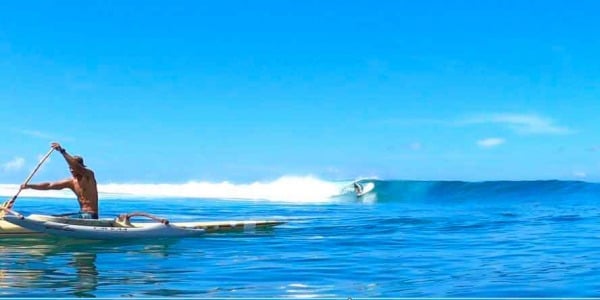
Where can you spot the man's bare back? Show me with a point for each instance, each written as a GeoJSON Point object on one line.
{"type": "Point", "coordinates": [85, 188]}
{"type": "Point", "coordinates": [83, 183]}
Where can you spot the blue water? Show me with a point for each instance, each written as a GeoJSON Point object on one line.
{"type": "Point", "coordinates": [406, 239]}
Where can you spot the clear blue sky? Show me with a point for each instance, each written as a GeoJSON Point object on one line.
{"type": "Point", "coordinates": [171, 91]}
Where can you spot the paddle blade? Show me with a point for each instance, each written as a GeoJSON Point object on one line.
{"type": "Point", "coordinates": [8, 205]}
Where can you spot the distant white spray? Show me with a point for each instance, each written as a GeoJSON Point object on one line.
{"type": "Point", "coordinates": [306, 189]}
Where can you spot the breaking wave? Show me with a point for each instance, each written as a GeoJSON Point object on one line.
{"type": "Point", "coordinates": [309, 189]}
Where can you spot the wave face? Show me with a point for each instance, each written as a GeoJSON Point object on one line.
{"type": "Point", "coordinates": [308, 189]}
{"type": "Point", "coordinates": [449, 191]}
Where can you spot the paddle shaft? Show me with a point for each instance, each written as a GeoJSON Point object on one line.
{"type": "Point", "coordinates": [12, 200]}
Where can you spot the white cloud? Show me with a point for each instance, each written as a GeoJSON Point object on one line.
{"type": "Point", "coordinates": [521, 123]}
{"type": "Point", "coordinates": [490, 142]}
{"type": "Point", "coordinates": [332, 170]}
{"type": "Point", "coordinates": [579, 174]}
{"type": "Point", "coordinates": [14, 165]}
{"type": "Point", "coordinates": [416, 146]}
{"type": "Point", "coordinates": [37, 134]}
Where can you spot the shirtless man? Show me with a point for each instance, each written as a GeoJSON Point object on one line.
{"type": "Point", "coordinates": [83, 184]}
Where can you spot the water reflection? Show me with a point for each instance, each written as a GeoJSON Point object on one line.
{"type": "Point", "coordinates": [51, 267]}
{"type": "Point", "coordinates": [87, 274]}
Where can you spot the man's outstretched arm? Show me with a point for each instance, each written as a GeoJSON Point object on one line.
{"type": "Point", "coordinates": [59, 185]}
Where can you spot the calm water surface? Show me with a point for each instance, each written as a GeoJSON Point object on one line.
{"type": "Point", "coordinates": [504, 246]}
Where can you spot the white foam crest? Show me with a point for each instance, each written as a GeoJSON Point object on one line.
{"type": "Point", "coordinates": [291, 189]}
{"type": "Point", "coordinates": [297, 189]}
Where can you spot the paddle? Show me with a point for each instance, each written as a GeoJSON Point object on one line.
{"type": "Point", "coordinates": [9, 204]}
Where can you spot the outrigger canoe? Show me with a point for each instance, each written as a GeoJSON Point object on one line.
{"type": "Point", "coordinates": [121, 227]}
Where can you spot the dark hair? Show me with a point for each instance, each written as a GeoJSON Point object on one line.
{"type": "Point", "coordinates": [79, 159]}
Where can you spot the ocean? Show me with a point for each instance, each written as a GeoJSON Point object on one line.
{"type": "Point", "coordinates": [404, 239]}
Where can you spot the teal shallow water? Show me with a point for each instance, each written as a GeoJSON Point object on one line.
{"type": "Point", "coordinates": [501, 245]}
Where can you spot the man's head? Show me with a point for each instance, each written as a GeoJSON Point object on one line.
{"type": "Point", "coordinates": [78, 159]}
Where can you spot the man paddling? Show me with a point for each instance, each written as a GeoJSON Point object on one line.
{"type": "Point", "coordinates": [83, 184]}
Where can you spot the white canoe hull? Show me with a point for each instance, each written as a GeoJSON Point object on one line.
{"type": "Point", "coordinates": [9, 229]}
{"type": "Point", "coordinates": [14, 225]}
{"type": "Point", "coordinates": [149, 230]}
